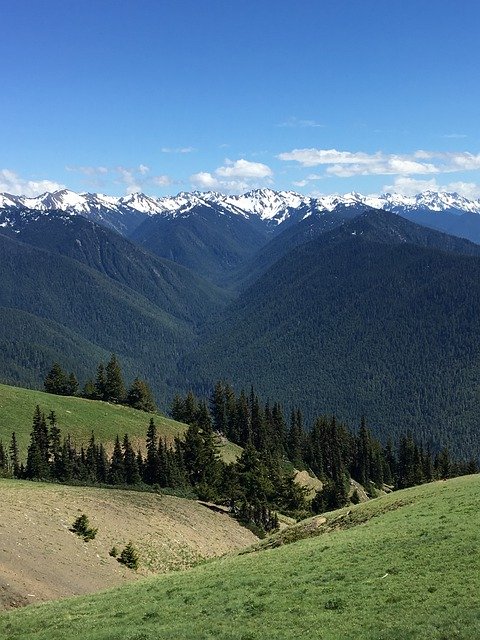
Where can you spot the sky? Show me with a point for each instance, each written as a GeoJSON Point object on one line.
{"type": "Point", "coordinates": [163, 96]}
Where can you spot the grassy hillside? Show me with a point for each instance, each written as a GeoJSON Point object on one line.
{"type": "Point", "coordinates": [80, 417]}
{"type": "Point", "coordinates": [76, 416]}
{"type": "Point", "coordinates": [404, 566]}
{"type": "Point", "coordinates": [40, 559]}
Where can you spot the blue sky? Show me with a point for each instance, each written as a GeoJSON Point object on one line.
{"type": "Point", "coordinates": [173, 95]}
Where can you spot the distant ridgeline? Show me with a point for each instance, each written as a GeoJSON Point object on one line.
{"type": "Point", "coordinates": [255, 487]}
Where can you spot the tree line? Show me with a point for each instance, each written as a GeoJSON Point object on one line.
{"type": "Point", "coordinates": [261, 482]}
{"type": "Point", "coordinates": [107, 385]}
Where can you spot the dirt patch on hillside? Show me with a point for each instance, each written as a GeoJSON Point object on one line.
{"type": "Point", "coordinates": [40, 559]}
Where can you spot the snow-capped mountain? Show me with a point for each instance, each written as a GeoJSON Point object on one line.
{"type": "Point", "coordinates": [273, 208]}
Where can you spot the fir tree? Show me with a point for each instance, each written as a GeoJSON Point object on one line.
{"type": "Point", "coordinates": [14, 456]}
{"type": "Point", "coordinates": [132, 475]}
{"type": "Point", "coordinates": [114, 387]}
{"type": "Point", "coordinates": [38, 450]}
{"type": "Point", "coordinates": [152, 463]}
{"type": "Point", "coordinates": [140, 396]}
{"type": "Point", "coordinates": [177, 410]}
{"type": "Point", "coordinates": [55, 445]}
{"type": "Point", "coordinates": [56, 380]}
{"type": "Point", "coordinates": [100, 382]}
{"type": "Point", "coordinates": [116, 473]}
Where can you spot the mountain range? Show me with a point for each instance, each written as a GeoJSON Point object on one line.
{"type": "Point", "coordinates": [339, 304]}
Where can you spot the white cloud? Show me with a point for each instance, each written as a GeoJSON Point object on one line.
{"type": "Point", "coordinates": [177, 149]}
{"type": "Point", "coordinates": [299, 123]}
{"type": "Point", "coordinates": [345, 164]}
{"type": "Point", "coordinates": [143, 169]}
{"type": "Point", "coordinates": [204, 180]}
{"type": "Point", "coordinates": [455, 135]}
{"type": "Point", "coordinates": [234, 176]}
{"type": "Point", "coordinates": [88, 171]}
{"type": "Point", "coordinates": [11, 182]}
{"type": "Point", "coordinates": [162, 181]}
{"type": "Point", "coordinates": [244, 169]}
{"type": "Point", "coordinates": [410, 187]}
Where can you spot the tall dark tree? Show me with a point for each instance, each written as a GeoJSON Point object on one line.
{"type": "Point", "coordinates": [100, 382]}
{"type": "Point", "coordinates": [14, 456]}
{"type": "Point", "coordinates": [132, 474]}
{"type": "Point", "coordinates": [152, 462]}
{"type": "Point", "coordinates": [38, 454]}
{"type": "Point", "coordinates": [55, 445]}
{"type": "Point", "coordinates": [56, 380]}
{"type": "Point", "coordinates": [218, 408]}
{"type": "Point", "coordinates": [114, 386]}
{"type": "Point", "coordinates": [116, 473]}
{"type": "Point", "coordinates": [140, 396]}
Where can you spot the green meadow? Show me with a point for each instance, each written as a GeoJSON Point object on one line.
{"type": "Point", "coordinates": [404, 566]}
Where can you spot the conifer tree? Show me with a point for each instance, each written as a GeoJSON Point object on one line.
{"type": "Point", "coordinates": [132, 475]}
{"type": "Point", "coordinates": [218, 408]}
{"type": "Point", "coordinates": [4, 465]}
{"type": "Point", "coordinates": [72, 385]}
{"type": "Point", "coordinates": [140, 396]}
{"type": "Point", "coordinates": [89, 391]}
{"type": "Point", "coordinates": [55, 445]}
{"type": "Point", "coordinates": [190, 408]}
{"type": "Point", "coordinates": [56, 380]}
{"type": "Point", "coordinates": [116, 473]}
{"type": "Point", "coordinates": [14, 456]}
{"type": "Point", "coordinates": [38, 450]}
{"type": "Point", "coordinates": [177, 410]}
{"type": "Point", "coordinates": [152, 463]}
{"type": "Point", "coordinates": [100, 382]}
{"type": "Point", "coordinates": [114, 386]}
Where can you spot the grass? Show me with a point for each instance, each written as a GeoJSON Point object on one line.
{"type": "Point", "coordinates": [76, 416]}
{"type": "Point", "coordinates": [401, 567]}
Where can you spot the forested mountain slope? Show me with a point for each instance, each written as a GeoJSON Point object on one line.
{"type": "Point", "coordinates": [378, 317]}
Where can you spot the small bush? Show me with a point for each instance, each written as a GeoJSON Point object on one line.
{"type": "Point", "coordinates": [355, 498]}
{"type": "Point", "coordinates": [113, 552]}
{"type": "Point", "coordinates": [82, 528]}
{"type": "Point", "coordinates": [129, 557]}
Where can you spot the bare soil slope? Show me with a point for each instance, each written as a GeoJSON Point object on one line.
{"type": "Point", "coordinates": [40, 559]}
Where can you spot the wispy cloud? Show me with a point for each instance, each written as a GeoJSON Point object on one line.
{"type": "Point", "coordinates": [294, 122]}
{"type": "Point", "coordinates": [345, 164]}
{"type": "Point", "coordinates": [88, 171]}
{"type": "Point", "coordinates": [234, 176]}
{"type": "Point", "coordinates": [11, 182]}
{"type": "Point", "coordinates": [177, 149]}
{"type": "Point", "coordinates": [455, 136]}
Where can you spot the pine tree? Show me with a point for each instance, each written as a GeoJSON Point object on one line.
{"type": "Point", "coordinates": [55, 445]}
{"type": "Point", "coordinates": [190, 408]}
{"type": "Point", "coordinates": [152, 463]}
{"type": "Point", "coordinates": [114, 387]}
{"type": "Point", "coordinates": [140, 396]}
{"type": "Point", "coordinates": [89, 391]}
{"type": "Point", "coordinates": [132, 475]}
{"type": "Point", "coordinates": [4, 464]}
{"type": "Point", "coordinates": [71, 387]}
{"type": "Point", "coordinates": [56, 380]}
{"type": "Point", "coordinates": [91, 459]}
{"type": "Point", "coordinates": [38, 450]}
{"type": "Point", "coordinates": [177, 410]}
{"type": "Point", "coordinates": [218, 408]}
{"type": "Point", "coordinates": [100, 382]}
{"type": "Point", "coordinates": [14, 456]}
{"type": "Point", "coordinates": [116, 473]}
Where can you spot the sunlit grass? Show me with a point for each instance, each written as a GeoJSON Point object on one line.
{"type": "Point", "coordinates": [406, 566]}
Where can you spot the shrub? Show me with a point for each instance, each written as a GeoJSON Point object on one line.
{"type": "Point", "coordinates": [129, 557]}
{"type": "Point", "coordinates": [82, 528]}
{"type": "Point", "coordinates": [113, 552]}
